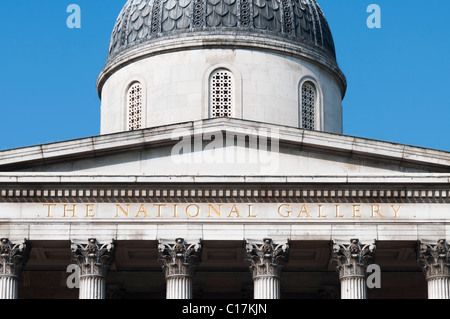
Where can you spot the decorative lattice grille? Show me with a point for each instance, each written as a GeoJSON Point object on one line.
{"type": "Point", "coordinates": [308, 106]}
{"type": "Point", "coordinates": [221, 94]}
{"type": "Point", "coordinates": [135, 107]}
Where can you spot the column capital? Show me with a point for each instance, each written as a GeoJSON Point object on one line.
{"type": "Point", "coordinates": [351, 259]}
{"type": "Point", "coordinates": [434, 258]}
{"type": "Point", "coordinates": [93, 258]}
{"type": "Point", "coordinates": [179, 258]}
{"type": "Point", "coordinates": [13, 257]}
{"type": "Point", "coordinates": [266, 258]}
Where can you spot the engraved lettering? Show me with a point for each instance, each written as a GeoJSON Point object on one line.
{"type": "Point", "coordinates": [49, 214]}
{"type": "Point", "coordinates": [288, 211]}
{"type": "Point", "coordinates": [189, 214]}
{"type": "Point", "coordinates": [396, 210]}
{"type": "Point", "coordinates": [142, 210]}
{"type": "Point", "coordinates": [376, 209]}
{"type": "Point", "coordinates": [234, 210]}
{"type": "Point", "coordinates": [89, 210]}
{"type": "Point", "coordinates": [304, 210]}
{"type": "Point", "coordinates": [73, 210]}
{"type": "Point", "coordinates": [160, 206]}
{"type": "Point", "coordinates": [218, 213]}
{"type": "Point", "coordinates": [337, 212]}
{"type": "Point", "coordinates": [320, 212]}
{"type": "Point", "coordinates": [250, 209]}
{"type": "Point", "coordinates": [126, 213]}
{"type": "Point", "coordinates": [356, 210]}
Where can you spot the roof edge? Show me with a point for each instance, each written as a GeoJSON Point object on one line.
{"type": "Point", "coordinates": [109, 143]}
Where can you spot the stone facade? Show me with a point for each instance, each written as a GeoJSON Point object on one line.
{"type": "Point", "coordinates": [187, 206]}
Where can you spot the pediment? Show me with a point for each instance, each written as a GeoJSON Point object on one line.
{"type": "Point", "coordinates": [225, 147]}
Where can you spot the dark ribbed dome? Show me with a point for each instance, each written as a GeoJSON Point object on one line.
{"type": "Point", "coordinates": [298, 21]}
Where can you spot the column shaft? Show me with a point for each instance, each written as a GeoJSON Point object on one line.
{"type": "Point", "coordinates": [179, 261]}
{"type": "Point", "coordinates": [353, 288]}
{"type": "Point", "coordinates": [351, 260]}
{"type": "Point", "coordinates": [94, 260]}
{"type": "Point", "coordinates": [434, 259]}
{"type": "Point", "coordinates": [13, 258]}
{"type": "Point", "coordinates": [8, 287]}
{"type": "Point", "coordinates": [439, 288]}
{"type": "Point", "coordinates": [92, 287]}
{"type": "Point", "coordinates": [267, 288]}
{"type": "Point", "coordinates": [179, 287]}
{"type": "Point", "coordinates": [266, 261]}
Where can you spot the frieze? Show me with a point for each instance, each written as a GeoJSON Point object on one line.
{"type": "Point", "coordinates": [226, 211]}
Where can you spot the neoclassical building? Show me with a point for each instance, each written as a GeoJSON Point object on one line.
{"type": "Point", "coordinates": [222, 172]}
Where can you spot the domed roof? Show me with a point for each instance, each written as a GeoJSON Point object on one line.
{"type": "Point", "coordinates": [301, 22]}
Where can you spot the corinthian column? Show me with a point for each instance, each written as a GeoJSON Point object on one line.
{"type": "Point", "coordinates": [94, 260]}
{"type": "Point", "coordinates": [434, 259]}
{"type": "Point", "coordinates": [266, 261]}
{"type": "Point", "coordinates": [179, 262]}
{"type": "Point", "coordinates": [13, 258]}
{"type": "Point", "coordinates": [351, 260]}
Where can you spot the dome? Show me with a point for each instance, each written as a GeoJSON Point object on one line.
{"type": "Point", "coordinates": [169, 60]}
{"type": "Point", "coordinates": [301, 22]}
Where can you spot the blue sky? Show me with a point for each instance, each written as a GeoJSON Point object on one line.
{"type": "Point", "coordinates": [398, 76]}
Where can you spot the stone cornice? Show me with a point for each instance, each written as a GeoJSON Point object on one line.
{"type": "Point", "coordinates": [348, 146]}
{"type": "Point", "coordinates": [223, 40]}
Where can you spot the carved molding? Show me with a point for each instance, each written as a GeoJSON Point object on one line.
{"type": "Point", "coordinates": [179, 258]}
{"type": "Point", "coordinates": [351, 259]}
{"type": "Point", "coordinates": [266, 258]}
{"type": "Point", "coordinates": [93, 258]}
{"type": "Point", "coordinates": [434, 258]}
{"type": "Point", "coordinates": [13, 257]}
{"type": "Point", "coordinates": [234, 194]}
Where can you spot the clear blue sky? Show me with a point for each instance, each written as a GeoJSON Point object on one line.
{"type": "Point", "coordinates": [398, 76]}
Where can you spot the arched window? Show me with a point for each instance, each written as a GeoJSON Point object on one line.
{"type": "Point", "coordinates": [134, 107]}
{"type": "Point", "coordinates": [221, 93]}
{"type": "Point", "coordinates": [308, 98]}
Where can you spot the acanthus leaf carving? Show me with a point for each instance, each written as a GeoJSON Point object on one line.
{"type": "Point", "coordinates": [179, 258]}
{"type": "Point", "coordinates": [351, 259]}
{"type": "Point", "coordinates": [266, 258]}
{"type": "Point", "coordinates": [434, 258]}
{"type": "Point", "coordinates": [13, 257]}
{"type": "Point", "coordinates": [93, 258]}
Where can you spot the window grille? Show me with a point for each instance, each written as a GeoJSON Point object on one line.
{"type": "Point", "coordinates": [221, 93]}
{"type": "Point", "coordinates": [135, 107]}
{"type": "Point", "coordinates": [308, 106]}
